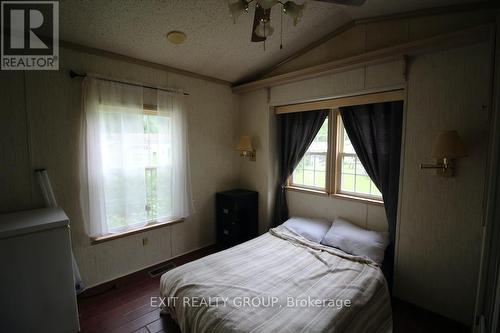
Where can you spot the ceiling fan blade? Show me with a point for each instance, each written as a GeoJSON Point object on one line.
{"type": "Point", "coordinates": [260, 13]}
{"type": "Point", "coordinates": [345, 2]}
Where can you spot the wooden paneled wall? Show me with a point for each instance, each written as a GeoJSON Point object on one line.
{"type": "Point", "coordinates": [378, 34]}
{"type": "Point", "coordinates": [15, 173]}
{"type": "Point", "coordinates": [40, 123]}
{"type": "Point", "coordinates": [440, 219]}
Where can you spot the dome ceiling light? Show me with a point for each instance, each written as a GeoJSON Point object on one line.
{"type": "Point", "coordinates": [176, 37]}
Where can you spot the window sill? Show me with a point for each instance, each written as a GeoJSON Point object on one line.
{"type": "Point", "coordinates": [306, 190]}
{"type": "Point", "coordinates": [110, 237]}
{"type": "Point", "coordinates": [358, 199]}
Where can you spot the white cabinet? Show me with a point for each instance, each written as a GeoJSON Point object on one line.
{"type": "Point", "coordinates": [37, 292]}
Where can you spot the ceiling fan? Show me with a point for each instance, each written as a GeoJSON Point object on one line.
{"type": "Point", "coordinates": [262, 19]}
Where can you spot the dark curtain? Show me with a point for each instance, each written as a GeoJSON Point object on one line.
{"type": "Point", "coordinates": [296, 132]}
{"type": "Point", "coordinates": [375, 133]}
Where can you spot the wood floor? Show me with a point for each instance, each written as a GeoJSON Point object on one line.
{"type": "Point", "coordinates": [123, 306]}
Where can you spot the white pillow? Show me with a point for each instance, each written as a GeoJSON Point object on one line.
{"type": "Point", "coordinates": [357, 241]}
{"type": "Point", "coordinates": [312, 229]}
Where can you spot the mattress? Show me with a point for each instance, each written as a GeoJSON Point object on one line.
{"type": "Point", "coordinates": [278, 282]}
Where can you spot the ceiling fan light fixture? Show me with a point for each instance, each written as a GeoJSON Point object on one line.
{"type": "Point", "coordinates": [237, 8]}
{"type": "Point", "coordinates": [266, 4]}
{"type": "Point", "coordinates": [294, 10]}
{"type": "Point", "coordinates": [261, 27]}
{"type": "Point", "coordinates": [264, 29]}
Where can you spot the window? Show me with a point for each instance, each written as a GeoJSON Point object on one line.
{"type": "Point", "coordinates": [135, 159]}
{"type": "Point", "coordinates": [158, 202]}
{"type": "Point", "coordinates": [324, 158]}
{"type": "Point", "coordinates": [352, 178]}
{"type": "Point", "coordinates": [312, 169]}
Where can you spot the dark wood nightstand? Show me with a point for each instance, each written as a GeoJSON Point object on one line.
{"type": "Point", "coordinates": [237, 217]}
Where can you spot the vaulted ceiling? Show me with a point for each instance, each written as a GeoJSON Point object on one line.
{"type": "Point", "coordinates": [215, 46]}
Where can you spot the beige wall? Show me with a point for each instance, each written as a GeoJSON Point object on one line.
{"type": "Point", "coordinates": [440, 219]}
{"type": "Point", "coordinates": [439, 239]}
{"type": "Point", "coordinates": [376, 35]}
{"type": "Point", "coordinates": [368, 216]}
{"type": "Point", "coordinates": [15, 171]}
{"type": "Point", "coordinates": [258, 120]}
{"type": "Point", "coordinates": [256, 125]}
{"type": "Point", "coordinates": [40, 128]}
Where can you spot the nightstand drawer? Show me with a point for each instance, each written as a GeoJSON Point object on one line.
{"type": "Point", "coordinates": [236, 213]}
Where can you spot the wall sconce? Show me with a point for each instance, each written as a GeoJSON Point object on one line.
{"type": "Point", "coordinates": [447, 146]}
{"type": "Point", "coordinates": [246, 149]}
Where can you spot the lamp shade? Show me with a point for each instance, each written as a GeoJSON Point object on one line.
{"type": "Point", "coordinates": [448, 144]}
{"type": "Point", "coordinates": [245, 144]}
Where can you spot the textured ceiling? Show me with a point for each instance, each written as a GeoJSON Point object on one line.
{"type": "Point", "coordinates": [215, 46]}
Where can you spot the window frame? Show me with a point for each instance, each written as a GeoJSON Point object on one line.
{"type": "Point", "coordinates": [338, 166]}
{"type": "Point", "coordinates": [333, 168]}
{"type": "Point", "coordinates": [326, 189]}
{"type": "Point", "coordinates": [150, 110]}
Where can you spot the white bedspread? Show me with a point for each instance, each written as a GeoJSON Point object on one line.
{"type": "Point", "coordinates": [278, 282]}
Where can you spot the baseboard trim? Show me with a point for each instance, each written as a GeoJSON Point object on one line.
{"type": "Point", "coordinates": [133, 276]}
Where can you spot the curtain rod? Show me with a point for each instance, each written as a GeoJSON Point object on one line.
{"type": "Point", "coordinates": [74, 74]}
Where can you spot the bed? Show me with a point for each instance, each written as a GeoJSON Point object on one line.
{"type": "Point", "coordinates": [278, 282]}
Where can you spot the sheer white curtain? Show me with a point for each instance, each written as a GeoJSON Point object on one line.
{"type": "Point", "coordinates": [173, 107]}
{"type": "Point", "coordinates": [113, 186]}
{"type": "Point", "coordinates": [134, 167]}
